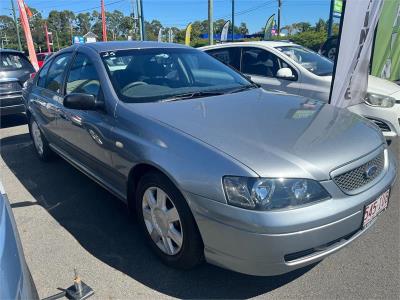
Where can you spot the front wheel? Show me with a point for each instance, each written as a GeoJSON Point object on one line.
{"type": "Point", "coordinates": [39, 141]}
{"type": "Point", "coordinates": [167, 222]}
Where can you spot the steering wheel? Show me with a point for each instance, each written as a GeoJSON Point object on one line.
{"type": "Point", "coordinates": [132, 84]}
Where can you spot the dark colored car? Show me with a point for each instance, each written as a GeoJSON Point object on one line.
{"type": "Point", "coordinates": [15, 69]}
{"type": "Point", "coordinates": [15, 279]}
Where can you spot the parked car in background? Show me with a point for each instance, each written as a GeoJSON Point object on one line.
{"type": "Point", "coordinates": [214, 166]}
{"type": "Point", "coordinates": [294, 69]}
{"type": "Point", "coordinates": [15, 69]}
{"type": "Point", "coordinates": [328, 48]}
{"type": "Point", "coordinates": [15, 279]}
{"type": "Point", "coordinates": [41, 58]}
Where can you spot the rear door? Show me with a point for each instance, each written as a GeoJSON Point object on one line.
{"type": "Point", "coordinates": [263, 65]}
{"type": "Point", "coordinates": [228, 55]}
{"type": "Point", "coordinates": [46, 97]}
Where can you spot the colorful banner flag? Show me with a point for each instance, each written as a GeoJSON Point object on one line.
{"type": "Point", "coordinates": [103, 21]}
{"type": "Point", "coordinates": [224, 32]}
{"type": "Point", "coordinates": [46, 31]}
{"type": "Point", "coordinates": [350, 78]}
{"type": "Point", "coordinates": [28, 11]}
{"type": "Point", "coordinates": [170, 36]}
{"type": "Point", "coordinates": [187, 34]}
{"type": "Point", "coordinates": [27, 32]}
{"type": "Point", "coordinates": [337, 8]}
{"type": "Point", "coordinates": [160, 35]}
{"type": "Point", "coordinates": [269, 26]}
{"type": "Point", "coordinates": [386, 58]}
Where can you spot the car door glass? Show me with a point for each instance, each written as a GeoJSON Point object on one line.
{"type": "Point", "coordinates": [256, 61]}
{"type": "Point", "coordinates": [82, 77]}
{"type": "Point", "coordinates": [229, 56]}
{"type": "Point", "coordinates": [41, 82]}
{"type": "Point", "coordinates": [56, 73]}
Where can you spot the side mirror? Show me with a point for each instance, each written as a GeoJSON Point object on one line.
{"type": "Point", "coordinates": [82, 102]}
{"type": "Point", "coordinates": [285, 73]}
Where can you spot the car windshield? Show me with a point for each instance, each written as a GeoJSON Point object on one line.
{"type": "Point", "coordinates": [149, 75]}
{"type": "Point", "coordinates": [309, 59]}
{"type": "Point", "coordinates": [12, 61]}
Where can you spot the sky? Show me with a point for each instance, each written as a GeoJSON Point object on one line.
{"type": "Point", "coordinates": [180, 12]}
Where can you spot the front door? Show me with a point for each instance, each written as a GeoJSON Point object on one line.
{"type": "Point", "coordinates": [262, 66]}
{"type": "Point", "coordinates": [87, 135]}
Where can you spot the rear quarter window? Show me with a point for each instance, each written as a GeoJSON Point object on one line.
{"type": "Point", "coordinates": [41, 77]}
{"type": "Point", "coordinates": [13, 61]}
{"type": "Point", "coordinates": [229, 56]}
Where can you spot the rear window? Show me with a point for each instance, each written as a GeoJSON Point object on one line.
{"type": "Point", "coordinates": [13, 61]}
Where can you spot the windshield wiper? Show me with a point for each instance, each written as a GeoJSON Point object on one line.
{"type": "Point", "coordinates": [244, 88]}
{"type": "Point", "coordinates": [193, 95]}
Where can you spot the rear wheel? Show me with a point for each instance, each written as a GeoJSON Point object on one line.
{"type": "Point", "coordinates": [39, 141]}
{"type": "Point", "coordinates": [167, 222]}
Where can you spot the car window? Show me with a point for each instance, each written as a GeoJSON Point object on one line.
{"type": "Point", "coordinates": [229, 56]}
{"type": "Point", "coordinates": [82, 77]}
{"type": "Point", "coordinates": [56, 72]}
{"type": "Point", "coordinates": [260, 62]}
{"type": "Point", "coordinates": [148, 75]}
{"type": "Point", "coordinates": [309, 59]}
{"type": "Point", "coordinates": [12, 61]}
{"type": "Point", "coordinates": [41, 81]}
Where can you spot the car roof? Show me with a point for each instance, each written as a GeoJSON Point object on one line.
{"type": "Point", "coordinates": [269, 44]}
{"type": "Point", "coordinates": [11, 51]}
{"type": "Point", "coordinates": [124, 45]}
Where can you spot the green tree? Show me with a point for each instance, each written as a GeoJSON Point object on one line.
{"type": "Point", "coordinates": [83, 22]}
{"type": "Point", "coordinates": [310, 39]}
{"type": "Point", "coordinates": [242, 29]}
{"type": "Point", "coordinates": [302, 26]}
{"type": "Point", "coordinates": [321, 25]}
{"type": "Point", "coordinates": [289, 29]}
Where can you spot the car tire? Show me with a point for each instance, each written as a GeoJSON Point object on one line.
{"type": "Point", "coordinates": [40, 142]}
{"type": "Point", "coordinates": [169, 227]}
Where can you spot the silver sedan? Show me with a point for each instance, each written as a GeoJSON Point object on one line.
{"type": "Point", "coordinates": [214, 167]}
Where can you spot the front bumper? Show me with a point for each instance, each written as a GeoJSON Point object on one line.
{"type": "Point", "coordinates": [387, 119]}
{"type": "Point", "coordinates": [273, 243]}
{"type": "Point", "coordinates": [11, 104]}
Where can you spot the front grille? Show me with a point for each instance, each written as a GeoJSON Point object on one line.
{"type": "Point", "coordinates": [357, 178]}
{"type": "Point", "coordinates": [382, 125]}
{"type": "Point", "coordinates": [10, 87]}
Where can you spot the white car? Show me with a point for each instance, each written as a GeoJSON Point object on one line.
{"type": "Point", "coordinates": [291, 68]}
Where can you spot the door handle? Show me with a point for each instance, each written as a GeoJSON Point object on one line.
{"type": "Point", "coordinates": [76, 120]}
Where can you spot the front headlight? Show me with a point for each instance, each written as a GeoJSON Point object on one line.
{"type": "Point", "coordinates": [271, 194]}
{"type": "Point", "coordinates": [379, 100]}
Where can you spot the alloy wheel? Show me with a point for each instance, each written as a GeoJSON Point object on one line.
{"type": "Point", "coordinates": [162, 220]}
{"type": "Point", "coordinates": [37, 138]}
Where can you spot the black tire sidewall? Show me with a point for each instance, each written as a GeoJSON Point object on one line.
{"type": "Point", "coordinates": [192, 249]}
{"type": "Point", "coordinates": [46, 155]}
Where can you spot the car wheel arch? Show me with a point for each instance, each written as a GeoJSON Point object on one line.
{"type": "Point", "coordinates": [137, 172]}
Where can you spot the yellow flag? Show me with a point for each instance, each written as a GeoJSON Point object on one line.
{"type": "Point", "coordinates": [187, 36]}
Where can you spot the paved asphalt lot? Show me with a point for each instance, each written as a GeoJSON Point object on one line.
{"type": "Point", "coordinates": [65, 221]}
